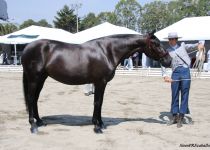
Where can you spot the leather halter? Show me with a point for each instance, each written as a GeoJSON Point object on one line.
{"type": "Point", "coordinates": [148, 43]}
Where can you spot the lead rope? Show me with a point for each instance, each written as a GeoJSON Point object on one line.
{"type": "Point", "coordinates": [197, 66]}
{"type": "Point", "coordinates": [199, 62]}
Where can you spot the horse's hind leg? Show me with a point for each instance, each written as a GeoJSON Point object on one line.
{"type": "Point", "coordinates": [40, 84]}
{"type": "Point", "coordinates": [35, 84]}
{"type": "Point", "coordinates": [98, 101]}
{"type": "Point", "coordinates": [32, 85]}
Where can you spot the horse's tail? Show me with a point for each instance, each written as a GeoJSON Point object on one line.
{"type": "Point", "coordinates": [25, 89]}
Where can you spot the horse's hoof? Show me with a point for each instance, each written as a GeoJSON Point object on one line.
{"type": "Point", "coordinates": [97, 130]}
{"type": "Point", "coordinates": [34, 130]}
{"type": "Point", "coordinates": [41, 123]}
{"type": "Point", "coordinates": [103, 126]}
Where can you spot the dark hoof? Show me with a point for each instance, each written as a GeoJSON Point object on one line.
{"type": "Point", "coordinates": [41, 123]}
{"type": "Point", "coordinates": [179, 125]}
{"type": "Point", "coordinates": [103, 126]}
{"type": "Point", "coordinates": [97, 130]}
{"type": "Point", "coordinates": [34, 130]}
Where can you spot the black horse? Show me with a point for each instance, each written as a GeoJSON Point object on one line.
{"type": "Point", "coordinates": [92, 62]}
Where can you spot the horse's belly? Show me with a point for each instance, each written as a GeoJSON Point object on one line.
{"type": "Point", "coordinates": [72, 79]}
{"type": "Point", "coordinates": [77, 74]}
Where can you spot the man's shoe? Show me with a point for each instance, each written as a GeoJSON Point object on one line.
{"type": "Point", "coordinates": [173, 120]}
{"type": "Point", "coordinates": [89, 93]}
{"type": "Point", "coordinates": [180, 121]}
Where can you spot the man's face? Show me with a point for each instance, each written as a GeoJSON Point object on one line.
{"type": "Point", "coordinates": [173, 41]}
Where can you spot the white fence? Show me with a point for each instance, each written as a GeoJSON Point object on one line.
{"type": "Point", "coordinates": [151, 72]}
{"type": "Point", "coordinates": [11, 68]}
{"type": "Point", "coordinates": [156, 72]}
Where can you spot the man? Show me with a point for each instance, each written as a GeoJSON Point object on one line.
{"type": "Point", "coordinates": [208, 57]}
{"type": "Point", "coordinates": [180, 79]}
{"type": "Point", "coordinates": [5, 58]}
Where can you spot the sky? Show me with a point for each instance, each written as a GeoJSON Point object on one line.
{"type": "Point", "coordinates": [22, 10]}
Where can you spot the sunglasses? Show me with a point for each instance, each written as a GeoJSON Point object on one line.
{"type": "Point", "coordinates": [172, 39]}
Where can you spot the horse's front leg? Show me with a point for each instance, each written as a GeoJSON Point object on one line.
{"type": "Point", "coordinates": [98, 101]}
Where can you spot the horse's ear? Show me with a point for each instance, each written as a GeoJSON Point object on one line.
{"type": "Point", "coordinates": [151, 34]}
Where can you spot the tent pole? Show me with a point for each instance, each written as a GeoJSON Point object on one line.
{"type": "Point", "coordinates": [15, 57]}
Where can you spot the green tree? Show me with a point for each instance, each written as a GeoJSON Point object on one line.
{"type": "Point", "coordinates": [89, 21]}
{"type": "Point", "coordinates": [27, 23]}
{"type": "Point", "coordinates": [154, 16]}
{"type": "Point", "coordinates": [1, 29]}
{"type": "Point", "coordinates": [7, 28]}
{"type": "Point", "coordinates": [203, 7]}
{"type": "Point", "coordinates": [30, 22]}
{"type": "Point", "coordinates": [158, 15]}
{"type": "Point", "coordinates": [66, 19]}
{"type": "Point", "coordinates": [128, 13]}
{"type": "Point", "coordinates": [44, 23]}
{"type": "Point", "coordinates": [180, 9]}
{"type": "Point", "coordinates": [107, 17]}
{"type": "Point", "coordinates": [92, 20]}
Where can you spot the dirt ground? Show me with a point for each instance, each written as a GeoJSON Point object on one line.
{"type": "Point", "coordinates": [135, 110]}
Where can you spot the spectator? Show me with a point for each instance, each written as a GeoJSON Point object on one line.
{"type": "Point", "coordinates": [208, 60]}
{"type": "Point", "coordinates": [5, 58]}
{"type": "Point", "coordinates": [128, 63]}
{"type": "Point", "coordinates": [136, 59]}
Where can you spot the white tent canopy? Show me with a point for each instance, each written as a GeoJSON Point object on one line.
{"type": "Point", "coordinates": [193, 28]}
{"type": "Point", "coordinates": [102, 30]}
{"type": "Point", "coordinates": [33, 33]}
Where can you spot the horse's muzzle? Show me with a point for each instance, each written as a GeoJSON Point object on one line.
{"type": "Point", "coordinates": [166, 61]}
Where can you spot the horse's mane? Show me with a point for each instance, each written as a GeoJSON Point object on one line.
{"type": "Point", "coordinates": [115, 36]}
{"type": "Point", "coordinates": [119, 36]}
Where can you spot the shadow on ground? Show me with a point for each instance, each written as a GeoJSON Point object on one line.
{"type": "Point", "coordinates": [70, 120]}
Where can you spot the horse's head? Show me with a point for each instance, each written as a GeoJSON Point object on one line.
{"type": "Point", "coordinates": [154, 49]}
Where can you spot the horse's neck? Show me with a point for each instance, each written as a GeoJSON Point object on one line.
{"type": "Point", "coordinates": [123, 48]}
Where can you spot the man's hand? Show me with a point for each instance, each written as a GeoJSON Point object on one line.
{"type": "Point", "coordinates": [167, 79]}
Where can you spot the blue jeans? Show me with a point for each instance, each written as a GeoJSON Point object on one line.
{"type": "Point", "coordinates": [184, 86]}
{"type": "Point", "coordinates": [208, 66]}
{"type": "Point", "coordinates": [128, 63]}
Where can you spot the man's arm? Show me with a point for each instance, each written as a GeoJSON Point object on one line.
{"type": "Point", "coordinates": [165, 75]}
{"type": "Point", "coordinates": [192, 47]}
